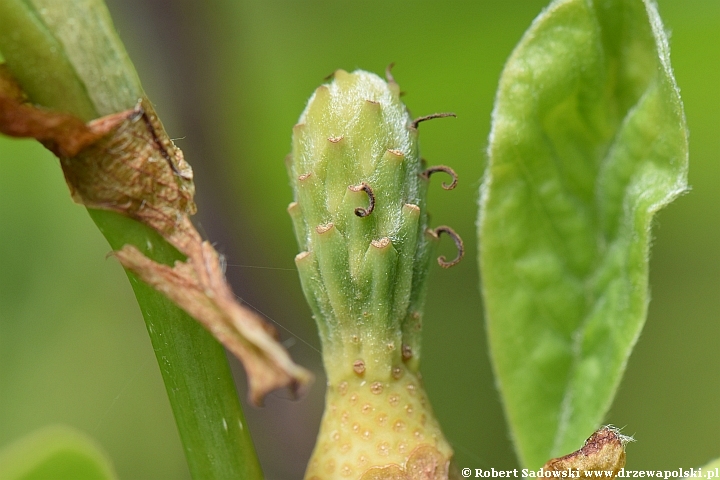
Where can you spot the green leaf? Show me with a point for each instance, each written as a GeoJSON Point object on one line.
{"type": "Point", "coordinates": [588, 142]}
{"type": "Point", "coordinates": [55, 453]}
{"type": "Point", "coordinates": [713, 466]}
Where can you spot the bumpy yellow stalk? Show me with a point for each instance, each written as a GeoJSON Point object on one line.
{"type": "Point", "coordinates": [361, 223]}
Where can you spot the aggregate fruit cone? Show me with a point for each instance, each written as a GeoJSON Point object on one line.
{"type": "Point", "coordinates": [361, 222]}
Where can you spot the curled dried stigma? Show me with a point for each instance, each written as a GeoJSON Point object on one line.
{"type": "Point", "coordinates": [442, 168]}
{"type": "Point", "coordinates": [415, 122]}
{"type": "Point", "coordinates": [458, 243]}
{"type": "Point", "coordinates": [360, 211]}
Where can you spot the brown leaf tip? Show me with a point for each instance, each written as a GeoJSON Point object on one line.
{"type": "Point", "coordinates": [411, 207]}
{"type": "Point", "coordinates": [324, 228]}
{"type": "Point", "coordinates": [381, 243]}
{"type": "Point", "coordinates": [603, 451]}
{"type": "Point", "coordinates": [301, 256]}
{"type": "Point", "coordinates": [607, 435]}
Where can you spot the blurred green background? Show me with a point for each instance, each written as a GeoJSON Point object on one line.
{"type": "Point", "coordinates": [230, 78]}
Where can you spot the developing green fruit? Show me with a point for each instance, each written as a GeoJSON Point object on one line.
{"type": "Point", "coordinates": [361, 222]}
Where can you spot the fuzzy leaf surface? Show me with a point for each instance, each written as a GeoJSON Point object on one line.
{"type": "Point", "coordinates": [588, 141]}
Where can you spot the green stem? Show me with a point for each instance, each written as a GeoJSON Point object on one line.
{"type": "Point", "coordinates": [193, 364]}
{"type": "Point", "coordinates": [67, 56]}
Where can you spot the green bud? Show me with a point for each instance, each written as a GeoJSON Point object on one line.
{"type": "Point", "coordinates": [360, 211]}
{"type": "Point", "coordinates": [361, 222]}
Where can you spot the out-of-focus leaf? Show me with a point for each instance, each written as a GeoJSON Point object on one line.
{"type": "Point", "coordinates": [588, 142]}
{"type": "Point", "coordinates": [713, 466]}
{"type": "Point", "coordinates": [55, 453]}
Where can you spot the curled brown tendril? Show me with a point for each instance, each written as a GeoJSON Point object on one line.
{"type": "Point", "coordinates": [415, 122]}
{"type": "Point", "coordinates": [442, 168]}
{"type": "Point", "coordinates": [458, 243]}
{"type": "Point", "coordinates": [364, 212]}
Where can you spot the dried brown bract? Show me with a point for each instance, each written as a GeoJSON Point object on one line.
{"type": "Point", "coordinates": [63, 134]}
{"type": "Point", "coordinates": [603, 451]}
{"type": "Point", "coordinates": [126, 163]}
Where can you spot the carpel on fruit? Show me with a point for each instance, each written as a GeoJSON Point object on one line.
{"type": "Point", "coordinates": [361, 222]}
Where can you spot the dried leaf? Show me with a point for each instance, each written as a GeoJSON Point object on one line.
{"type": "Point", "coordinates": [63, 134]}
{"type": "Point", "coordinates": [137, 171]}
{"type": "Point", "coordinates": [198, 286]}
{"type": "Point", "coordinates": [9, 86]}
{"type": "Point", "coordinates": [604, 451]}
{"type": "Point", "coordinates": [126, 163]}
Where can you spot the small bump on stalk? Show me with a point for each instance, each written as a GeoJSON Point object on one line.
{"type": "Point", "coordinates": [407, 352]}
{"type": "Point", "coordinates": [376, 388]}
{"type": "Point", "coordinates": [359, 366]}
